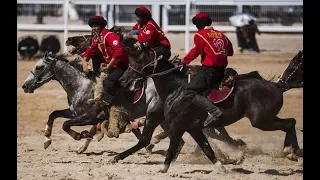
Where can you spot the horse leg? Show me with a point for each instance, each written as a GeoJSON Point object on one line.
{"type": "Point", "coordinates": [203, 143]}
{"type": "Point", "coordinates": [175, 135]}
{"type": "Point", "coordinates": [101, 130]}
{"type": "Point", "coordinates": [137, 133]}
{"type": "Point", "coordinates": [144, 140]}
{"type": "Point", "coordinates": [288, 126]}
{"type": "Point", "coordinates": [155, 140]}
{"type": "Point", "coordinates": [221, 156]}
{"type": "Point", "coordinates": [93, 131]}
{"type": "Point", "coordinates": [65, 113]}
{"type": "Point", "coordinates": [82, 120]}
{"type": "Point", "coordinates": [223, 136]}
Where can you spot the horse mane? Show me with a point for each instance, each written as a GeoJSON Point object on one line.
{"type": "Point", "coordinates": [76, 63]}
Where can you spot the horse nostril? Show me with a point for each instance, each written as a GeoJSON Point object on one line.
{"type": "Point", "coordinates": [121, 79]}
{"type": "Point", "coordinates": [23, 86]}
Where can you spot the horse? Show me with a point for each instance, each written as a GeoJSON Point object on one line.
{"type": "Point", "coordinates": [82, 42]}
{"type": "Point", "coordinates": [240, 95]}
{"type": "Point", "coordinates": [78, 88]}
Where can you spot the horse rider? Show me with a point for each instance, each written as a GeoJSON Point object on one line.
{"type": "Point", "coordinates": [214, 48]}
{"type": "Point", "coordinates": [147, 32]}
{"type": "Point", "coordinates": [114, 55]}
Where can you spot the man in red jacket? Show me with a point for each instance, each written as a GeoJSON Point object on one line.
{"type": "Point", "coordinates": [214, 48]}
{"type": "Point", "coordinates": [147, 32]}
{"type": "Point", "coordinates": [114, 55]}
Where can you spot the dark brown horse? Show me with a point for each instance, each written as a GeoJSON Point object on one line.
{"type": "Point", "coordinates": [249, 95]}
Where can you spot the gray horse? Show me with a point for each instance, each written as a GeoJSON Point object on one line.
{"type": "Point", "coordinates": [78, 87]}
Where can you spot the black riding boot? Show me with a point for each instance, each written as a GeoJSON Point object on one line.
{"type": "Point", "coordinates": [204, 103]}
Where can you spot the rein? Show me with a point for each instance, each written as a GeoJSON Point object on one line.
{"type": "Point", "coordinates": [154, 64]}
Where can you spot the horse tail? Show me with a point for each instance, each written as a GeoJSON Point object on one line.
{"type": "Point", "coordinates": [286, 86]}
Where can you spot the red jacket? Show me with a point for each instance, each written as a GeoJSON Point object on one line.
{"type": "Point", "coordinates": [152, 33]}
{"type": "Point", "coordinates": [213, 46]}
{"type": "Point", "coordinates": [109, 45]}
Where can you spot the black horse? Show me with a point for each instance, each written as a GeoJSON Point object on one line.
{"type": "Point", "coordinates": [245, 95]}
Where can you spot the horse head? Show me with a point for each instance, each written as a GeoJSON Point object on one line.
{"type": "Point", "coordinates": [81, 43]}
{"type": "Point", "coordinates": [143, 64]}
{"type": "Point", "coordinates": [293, 74]}
{"type": "Point", "coordinates": [119, 30]}
{"type": "Point", "coordinates": [42, 73]}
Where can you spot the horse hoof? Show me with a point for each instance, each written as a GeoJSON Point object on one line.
{"type": "Point", "coordinates": [240, 143]}
{"type": "Point", "coordinates": [164, 169]}
{"type": "Point", "coordinates": [115, 159]}
{"type": "Point", "coordinates": [299, 152]}
{"type": "Point", "coordinates": [240, 160]}
{"type": "Point", "coordinates": [112, 161]}
{"type": "Point", "coordinates": [292, 157]}
{"type": "Point", "coordinates": [47, 143]}
{"type": "Point", "coordinates": [112, 135]}
{"type": "Point", "coordinates": [100, 136]}
{"type": "Point", "coordinates": [218, 168]}
{"type": "Point", "coordinates": [288, 150]}
{"type": "Point", "coordinates": [81, 149]}
{"type": "Point", "coordinates": [149, 148]}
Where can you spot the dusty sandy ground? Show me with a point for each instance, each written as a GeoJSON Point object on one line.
{"type": "Point", "coordinates": [263, 158]}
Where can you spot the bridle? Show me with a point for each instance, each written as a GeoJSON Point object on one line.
{"type": "Point", "coordinates": [48, 68]}
{"type": "Point", "coordinates": [297, 67]}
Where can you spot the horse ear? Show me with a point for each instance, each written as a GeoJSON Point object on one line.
{"type": "Point", "coordinates": [300, 54]}
{"type": "Point", "coordinates": [46, 54]}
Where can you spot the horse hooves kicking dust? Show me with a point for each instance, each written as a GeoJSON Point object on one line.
{"type": "Point", "coordinates": [218, 168]}
{"type": "Point", "coordinates": [292, 154]}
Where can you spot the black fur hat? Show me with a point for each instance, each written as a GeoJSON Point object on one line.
{"type": "Point", "coordinates": [143, 13]}
{"type": "Point", "coordinates": [97, 21]}
{"type": "Point", "coordinates": [202, 20]}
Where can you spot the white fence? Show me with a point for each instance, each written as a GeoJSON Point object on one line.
{"type": "Point", "coordinates": [173, 15]}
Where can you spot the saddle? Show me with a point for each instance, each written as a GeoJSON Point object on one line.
{"type": "Point", "coordinates": [134, 96]}
{"type": "Point", "coordinates": [219, 92]}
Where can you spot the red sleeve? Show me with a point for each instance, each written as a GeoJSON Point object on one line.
{"type": "Point", "coordinates": [229, 48]}
{"type": "Point", "coordinates": [113, 41]}
{"type": "Point", "coordinates": [91, 50]}
{"type": "Point", "coordinates": [135, 27]}
{"type": "Point", "coordinates": [195, 51]}
{"type": "Point", "coordinates": [148, 34]}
